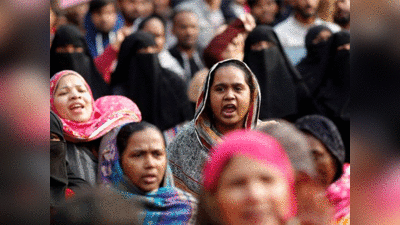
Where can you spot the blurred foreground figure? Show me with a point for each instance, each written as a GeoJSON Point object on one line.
{"type": "Point", "coordinates": [248, 179]}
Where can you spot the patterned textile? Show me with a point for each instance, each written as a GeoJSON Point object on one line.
{"type": "Point", "coordinates": [338, 194]}
{"type": "Point", "coordinates": [167, 205]}
{"type": "Point", "coordinates": [108, 112]}
{"type": "Point", "coordinates": [189, 149]}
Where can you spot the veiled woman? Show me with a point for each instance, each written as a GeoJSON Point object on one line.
{"type": "Point", "coordinates": [86, 121]}
{"type": "Point", "coordinates": [229, 101]}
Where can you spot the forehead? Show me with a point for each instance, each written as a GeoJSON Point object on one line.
{"type": "Point", "coordinates": [184, 17]}
{"type": "Point", "coordinates": [229, 74]}
{"type": "Point", "coordinates": [147, 137]}
{"type": "Point", "coordinates": [70, 80]}
{"type": "Point", "coordinates": [154, 25]}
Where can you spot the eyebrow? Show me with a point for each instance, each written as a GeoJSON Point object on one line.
{"type": "Point", "coordinates": [78, 85]}
{"type": "Point", "coordinates": [226, 84]}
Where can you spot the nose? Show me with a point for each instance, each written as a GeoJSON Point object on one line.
{"type": "Point", "coordinates": [75, 94]}
{"type": "Point", "coordinates": [229, 94]}
{"type": "Point", "coordinates": [150, 162]}
{"type": "Point", "coordinates": [256, 193]}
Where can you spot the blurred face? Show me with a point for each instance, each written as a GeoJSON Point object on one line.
{"type": "Point", "coordinates": [156, 27]}
{"type": "Point", "coordinates": [322, 36]}
{"type": "Point", "coordinates": [104, 20]}
{"type": "Point", "coordinates": [306, 8]}
{"type": "Point", "coordinates": [229, 98]}
{"type": "Point", "coordinates": [265, 11]}
{"type": "Point", "coordinates": [342, 12]}
{"type": "Point", "coordinates": [250, 192]}
{"type": "Point", "coordinates": [76, 14]}
{"type": "Point", "coordinates": [235, 49]}
{"type": "Point", "coordinates": [144, 160]}
{"type": "Point", "coordinates": [133, 9]}
{"type": "Point", "coordinates": [186, 29]}
{"type": "Point", "coordinates": [53, 18]}
{"type": "Point", "coordinates": [326, 167]}
{"type": "Point", "coordinates": [72, 99]}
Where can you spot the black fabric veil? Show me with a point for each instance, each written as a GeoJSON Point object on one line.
{"type": "Point", "coordinates": [160, 94]}
{"type": "Point", "coordinates": [279, 81]}
{"type": "Point", "coordinates": [82, 62]}
{"type": "Point", "coordinates": [312, 66]}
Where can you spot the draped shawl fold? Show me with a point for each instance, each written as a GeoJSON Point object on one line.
{"type": "Point", "coordinates": [108, 113]}
{"type": "Point", "coordinates": [190, 148]}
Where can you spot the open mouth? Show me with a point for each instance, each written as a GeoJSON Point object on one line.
{"type": "Point", "coordinates": [76, 107]}
{"type": "Point", "coordinates": [149, 179]}
{"type": "Point", "coordinates": [228, 110]}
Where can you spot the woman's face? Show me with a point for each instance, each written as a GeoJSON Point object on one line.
{"type": "Point", "coordinates": [229, 98]}
{"type": "Point", "coordinates": [250, 192]}
{"type": "Point", "coordinates": [326, 167]}
{"type": "Point", "coordinates": [144, 160]}
{"type": "Point", "coordinates": [72, 99]}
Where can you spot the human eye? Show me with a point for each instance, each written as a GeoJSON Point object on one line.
{"type": "Point", "coordinates": [267, 179]}
{"type": "Point", "coordinates": [238, 88]}
{"type": "Point", "coordinates": [157, 153]}
{"type": "Point", "coordinates": [239, 182]}
{"type": "Point", "coordinates": [219, 89]}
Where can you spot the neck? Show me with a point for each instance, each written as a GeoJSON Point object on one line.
{"type": "Point", "coordinates": [305, 21]}
{"type": "Point", "coordinates": [346, 27]}
{"type": "Point", "coordinates": [188, 51]}
{"type": "Point", "coordinates": [128, 23]}
{"type": "Point", "coordinates": [224, 129]}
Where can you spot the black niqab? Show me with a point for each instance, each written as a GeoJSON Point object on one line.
{"type": "Point", "coordinates": [159, 93]}
{"type": "Point", "coordinates": [276, 75]}
{"type": "Point", "coordinates": [82, 62]}
{"type": "Point", "coordinates": [312, 67]}
{"type": "Point", "coordinates": [58, 163]}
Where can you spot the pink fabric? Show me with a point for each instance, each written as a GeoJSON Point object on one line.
{"type": "Point", "coordinates": [105, 63]}
{"type": "Point", "coordinates": [338, 194]}
{"type": "Point", "coordinates": [108, 113]}
{"type": "Point", "coordinates": [64, 4]}
{"type": "Point", "coordinates": [255, 145]}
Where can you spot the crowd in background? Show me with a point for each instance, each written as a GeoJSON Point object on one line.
{"type": "Point", "coordinates": [200, 111]}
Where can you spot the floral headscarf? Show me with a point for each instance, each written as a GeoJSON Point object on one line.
{"type": "Point", "coordinates": [108, 113]}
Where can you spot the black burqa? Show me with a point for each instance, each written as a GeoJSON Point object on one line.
{"type": "Point", "coordinates": [61, 175]}
{"type": "Point", "coordinates": [81, 62]}
{"type": "Point", "coordinates": [281, 92]}
{"type": "Point", "coordinates": [333, 96]}
{"type": "Point", "coordinates": [312, 67]}
{"type": "Point", "coordinates": [159, 93]}
{"type": "Point", "coordinates": [58, 163]}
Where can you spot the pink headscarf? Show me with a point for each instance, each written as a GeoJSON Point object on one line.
{"type": "Point", "coordinates": [338, 194]}
{"type": "Point", "coordinates": [108, 112]}
{"type": "Point", "coordinates": [255, 145]}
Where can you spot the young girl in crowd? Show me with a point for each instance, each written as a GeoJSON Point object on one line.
{"type": "Point", "coordinates": [229, 101]}
{"type": "Point", "coordinates": [85, 120]}
{"type": "Point", "coordinates": [248, 179]}
{"type": "Point", "coordinates": [141, 174]}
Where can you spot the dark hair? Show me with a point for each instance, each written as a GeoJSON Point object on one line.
{"type": "Point", "coordinates": [237, 64]}
{"type": "Point", "coordinates": [96, 5]}
{"type": "Point", "coordinates": [252, 3]}
{"type": "Point", "coordinates": [147, 19]}
{"type": "Point", "coordinates": [128, 130]}
{"type": "Point", "coordinates": [177, 12]}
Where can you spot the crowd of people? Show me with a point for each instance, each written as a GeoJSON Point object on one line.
{"type": "Point", "coordinates": [200, 111]}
